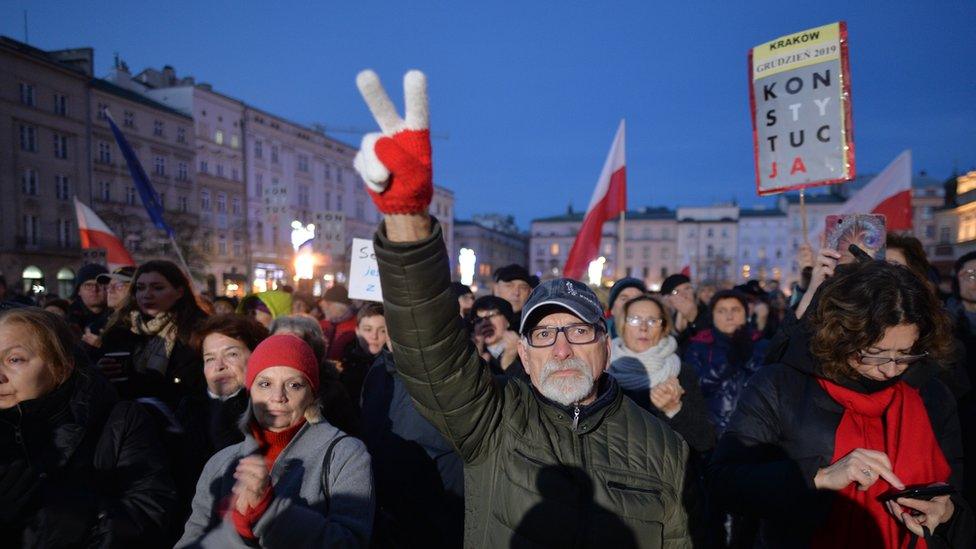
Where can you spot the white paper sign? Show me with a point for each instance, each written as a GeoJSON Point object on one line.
{"type": "Point", "coordinates": [364, 275]}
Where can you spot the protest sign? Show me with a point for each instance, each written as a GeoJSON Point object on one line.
{"type": "Point", "coordinates": [800, 98]}
{"type": "Point", "coordinates": [364, 275]}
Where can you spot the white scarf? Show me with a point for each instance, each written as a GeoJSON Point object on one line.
{"type": "Point", "coordinates": [641, 371]}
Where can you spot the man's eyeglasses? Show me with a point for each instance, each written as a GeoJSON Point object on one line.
{"type": "Point", "coordinates": [968, 274]}
{"type": "Point", "coordinates": [874, 360]}
{"type": "Point", "coordinates": [91, 286]}
{"type": "Point", "coordinates": [576, 334]}
{"type": "Point", "coordinates": [636, 321]}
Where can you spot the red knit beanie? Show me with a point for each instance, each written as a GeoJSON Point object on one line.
{"type": "Point", "coordinates": [283, 350]}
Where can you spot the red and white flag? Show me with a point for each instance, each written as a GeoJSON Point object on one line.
{"type": "Point", "coordinates": [609, 199]}
{"type": "Point", "coordinates": [889, 193]}
{"type": "Point", "coordinates": [688, 269]}
{"type": "Point", "coordinates": [96, 234]}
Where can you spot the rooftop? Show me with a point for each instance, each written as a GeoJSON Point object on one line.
{"type": "Point", "coordinates": [761, 212]}
{"type": "Point", "coordinates": [135, 97]}
{"type": "Point", "coordinates": [645, 213]}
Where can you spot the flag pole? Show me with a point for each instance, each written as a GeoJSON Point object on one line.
{"type": "Point", "coordinates": [803, 217]}
{"type": "Point", "coordinates": [621, 237]}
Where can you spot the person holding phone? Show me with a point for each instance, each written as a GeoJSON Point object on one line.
{"type": "Point", "coordinates": [491, 320]}
{"type": "Point", "coordinates": [819, 439]}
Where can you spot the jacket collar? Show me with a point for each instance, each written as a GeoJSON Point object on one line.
{"type": "Point", "coordinates": [590, 415]}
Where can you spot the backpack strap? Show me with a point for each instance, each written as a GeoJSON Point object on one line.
{"type": "Point", "coordinates": [326, 466]}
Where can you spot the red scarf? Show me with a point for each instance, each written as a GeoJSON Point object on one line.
{"type": "Point", "coordinates": [894, 421]}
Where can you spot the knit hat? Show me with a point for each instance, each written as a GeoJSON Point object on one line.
{"type": "Point", "coordinates": [623, 284]}
{"type": "Point", "coordinates": [460, 289]}
{"type": "Point", "coordinates": [337, 294]}
{"type": "Point", "coordinates": [283, 350]}
{"type": "Point", "coordinates": [88, 272]}
{"type": "Point", "coordinates": [672, 282]}
{"type": "Point", "coordinates": [515, 271]}
{"type": "Point", "coordinates": [494, 303]}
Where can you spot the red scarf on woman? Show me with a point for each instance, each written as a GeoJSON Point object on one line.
{"type": "Point", "coordinates": [894, 421]}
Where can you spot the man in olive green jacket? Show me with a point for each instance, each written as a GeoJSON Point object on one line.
{"type": "Point", "coordinates": [558, 459]}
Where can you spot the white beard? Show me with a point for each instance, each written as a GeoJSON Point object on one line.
{"type": "Point", "coordinates": [566, 390]}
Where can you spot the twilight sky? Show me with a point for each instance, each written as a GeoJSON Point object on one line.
{"type": "Point", "coordinates": [527, 95]}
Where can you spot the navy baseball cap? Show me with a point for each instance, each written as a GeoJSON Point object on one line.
{"type": "Point", "coordinates": [562, 293]}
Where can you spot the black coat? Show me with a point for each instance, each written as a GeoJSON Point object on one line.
{"type": "Point", "coordinates": [691, 422]}
{"type": "Point", "coordinates": [419, 477]}
{"type": "Point", "coordinates": [783, 432]}
{"type": "Point", "coordinates": [93, 472]}
{"type": "Point", "coordinates": [184, 371]}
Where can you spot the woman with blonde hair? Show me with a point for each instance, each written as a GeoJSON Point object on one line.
{"type": "Point", "coordinates": [78, 467]}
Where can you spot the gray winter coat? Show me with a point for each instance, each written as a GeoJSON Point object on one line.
{"type": "Point", "coordinates": [304, 512]}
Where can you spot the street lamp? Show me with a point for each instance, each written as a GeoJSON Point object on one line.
{"type": "Point", "coordinates": [466, 263]}
{"type": "Point", "coordinates": [595, 271]}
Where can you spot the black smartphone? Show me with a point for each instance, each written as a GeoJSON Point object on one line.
{"type": "Point", "coordinates": [919, 491]}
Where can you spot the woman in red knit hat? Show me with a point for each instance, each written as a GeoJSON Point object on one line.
{"type": "Point", "coordinates": [295, 479]}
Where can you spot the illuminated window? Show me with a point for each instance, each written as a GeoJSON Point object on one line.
{"type": "Point", "coordinates": [554, 248]}
{"type": "Point", "coordinates": [219, 137]}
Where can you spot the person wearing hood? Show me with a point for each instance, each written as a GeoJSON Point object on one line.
{"type": "Point", "coordinates": [78, 467]}
{"type": "Point", "coordinates": [725, 355]}
{"type": "Point", "coordinates": [266, 306]}
{"type": "Point", "coordinates": [295, 480]}
{"type": "Point", "coordinates": [88, 302]}
{"type": "Point", "coordinates": [818, 439]}
{"type": "Point", "coordinates": [621, 292]}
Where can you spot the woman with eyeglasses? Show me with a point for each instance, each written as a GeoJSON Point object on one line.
{"type": "Point", "coordinates": [644, 361]}
{"type": "Point", "coordinates": [822, 443]}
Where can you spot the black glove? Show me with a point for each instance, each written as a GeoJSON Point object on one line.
{"type": "Point", "coordinates": [18, 484]}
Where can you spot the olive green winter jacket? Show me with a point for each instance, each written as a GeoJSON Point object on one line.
{"type": "Point", "coordinates": [537, 474]}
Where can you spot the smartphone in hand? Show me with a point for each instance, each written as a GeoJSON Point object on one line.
{"type": "Point", "coordinates": [919, 491]}
{"type": "Point", "coordinates": [866, 231]}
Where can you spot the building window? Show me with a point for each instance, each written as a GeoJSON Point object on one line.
{"type": "Point", "coordinates": [710, 251]}
{"type": "Point", "coordinates": [184, 204]}
{"type": "Point", "coordinates": [220, 170]}
{"type": "Point", "coordinates": [62, 187]}
{"type": "Point", "coordinates": [259, 230]}
{"type": "Point", "coordinates": [60, 145]}
{"type": "Point", "coordinates": [130, 196]}
{"type": "Point", "coordinates": [27, 94]}
{"type": "Point", "coordinates": [234, 141]}
{"type": "Point", "coordinates": [235, 205]}
{"type": "Point", "coordinates": [105, 190]}
{"type": "Point", "coordinates": [303, 163]}
{"type": "Point", "coordinates": [104, 152]}
{"type": "Point", "coordinates": [258, 149]}
{"type": "Point", "coordinates": [64, 232]}
{"type": "Point", "coordinates": [710, 232]}
{"type": "Point", "coordinates": [943, 235]}
{"type": "Point", "coordinates": [221, 202]}
{"type": "Point", "coordinates": [554, 248]}
{"type": "Point", "coordinates": [930, 231]}
{"type": "Point", "coordinates": [157, 128]}
{"type": "Point", "coordinates": [28, 138]}
{"type": "Point", "coordinates": [328, 171]}
{"type": "Point", "coordinates": [274, 154]}
{"type": "Point", "coordinates": [102, 107]}
{"type": "Point", "coordinates": [182, 171]}
{"type": "Point", "coordinates": [328, 200]}
{"type": "Point", "coordinates": [238, 248]}
{"type": "Point", "coordinates": [205, 200]}
{"type": "Point", "coordinates": [129, 119]}
{"type": "Point", "coordinates": [159, 165]}
{"type": "Point", "coordinates": [303, 195]}
{"type": "Point", "coordinates": [31, 229]}
{"type": "Point", "coordinates": [28, 182]}
{"type": "Point", "coordinates": [339, 174]}
{"type": "Point", "coordinates": [222, 245]}
{"type": "Point", "coordinates": [339, 202]}
{"type": "Point", "coordinates": [259, 185]}
{"type": "Point", "coordinates": [219, 137]}
{"type": "Point", "coordinates": [207, 244]}
{"type": "Point", "coordinates": [181, 135]}
{"type": "Point", "coordinates": [234, 174]}
{"type": "Point", "coordinates": [203, 166]}
{"type": "Point", "coordinates": [60, 104]}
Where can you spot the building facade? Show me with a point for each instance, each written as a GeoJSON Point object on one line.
{"type": "Point", "coordinates": [492, 249]}
{"type": "Point", "coordinates": [708, 242]}
{"type": "Point", "coordinates": [44, 164]}
{"type": "Point", "coordinates": [764, 254]}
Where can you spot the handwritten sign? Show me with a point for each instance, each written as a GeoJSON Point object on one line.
{"type": "Point", "coordinates": [800, 97]}
{"type": "Point", "coordinates": [364, 275]}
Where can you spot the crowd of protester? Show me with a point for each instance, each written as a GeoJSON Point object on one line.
{"type": "Point", "coordinates": [136, 413]}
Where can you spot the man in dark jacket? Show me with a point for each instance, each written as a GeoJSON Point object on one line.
{"type": "Point", "coordinates": [559, 459]}
{"type": "Point", "coordinates": [89, 302]}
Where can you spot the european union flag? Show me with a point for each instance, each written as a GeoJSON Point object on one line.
{"type": "Point", "coordinates": [150, 198]}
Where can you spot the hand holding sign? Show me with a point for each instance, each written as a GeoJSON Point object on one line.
{"type": "Point", "coordinates": [396, 164]}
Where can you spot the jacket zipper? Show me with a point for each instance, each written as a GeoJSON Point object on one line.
{"type": "Point", "coordinates": [576, 414]}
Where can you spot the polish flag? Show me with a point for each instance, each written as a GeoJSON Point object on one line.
{"type": "Point", "coordinates": [96, 234]}
{"type": "Point", "coordinates": [889, 194]}
{"type": "Point", "coordinates": [608, 201]}
{"type": "Point", "coordinates": [687, 269]}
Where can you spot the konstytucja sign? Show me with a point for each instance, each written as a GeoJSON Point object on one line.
{"type": "Point", "coordinates": [800, 98]}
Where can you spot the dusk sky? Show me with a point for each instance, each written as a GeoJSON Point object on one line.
{"type": "Point", "coordinates": [527, 95]}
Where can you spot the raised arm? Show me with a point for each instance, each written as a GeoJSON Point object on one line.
{"type": "Point", "coordinates": [437, 361]}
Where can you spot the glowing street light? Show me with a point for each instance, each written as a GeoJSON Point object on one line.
{"type": "Point", "coordinates": [466, 261]}
{"type": "Point", "coordinates": [595, 271]}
